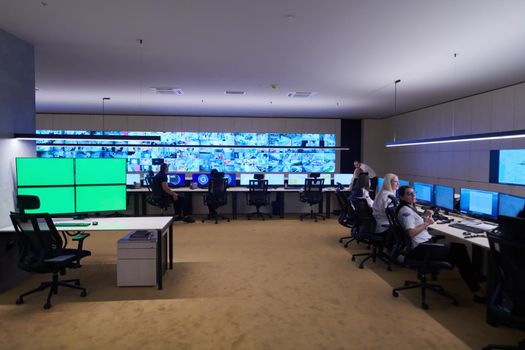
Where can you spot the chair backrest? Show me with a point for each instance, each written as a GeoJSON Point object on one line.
{"type": "Point", "coordinates": [508, 298]}
{"type": "Point", "coordinates": [402, 241]}
{"type": "Point", "coordinates": [363, 217]}
{"type": "Point", "coordinates": [217, 189]}
{"type": "Point", "coordinates": [38, 239]}
{"type": "Point", "coordinates": [258, 192]}
{"type": "Point", "coordinates": [24, 202]}
{"type": "Point", "coordinates": [347, 215]}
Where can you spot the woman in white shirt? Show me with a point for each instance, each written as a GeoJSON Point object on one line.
{"type": "Point", "coordinates": [389, 188]}
{"type": "Point", "coordinates": [361, 188]}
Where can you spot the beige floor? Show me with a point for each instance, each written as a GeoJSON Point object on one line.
{"type": "Point", "coordinates": [279, 284]}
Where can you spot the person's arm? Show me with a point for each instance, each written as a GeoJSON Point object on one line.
{"type": "Point", "coordinates": [166, 189]}
{"type": "Point", "coordinates": [408, 222]}
{"type": "Point", "coordinates": [420, 228]}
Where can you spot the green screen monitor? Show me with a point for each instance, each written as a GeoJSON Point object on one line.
{"type": "Point", "coordinates": [93, 171]}
{"type": "Point", "coordinates": [100, 198]}
{"type": "Point", "coordinates": [44, 171]}
{"type": "Point", "coordinates": [53, 200]}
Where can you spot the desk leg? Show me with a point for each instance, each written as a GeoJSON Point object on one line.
{"type": "Point", "coordinates": [328, 204]}
{"type": "Point", "coordinates": [170, 245]}
{"type": "Point", "coordinates": [280, 196]}
{"type": "Point", "coordinates": [491, 284]}
{"type": "Point", "coordinates": [136, 204]}
{"type": "Point", "coordinates": [144, 204]}
{"type": "Point", "coordinates": [159, 259]}
{"type": "Point", "coordinates": [234, 205]}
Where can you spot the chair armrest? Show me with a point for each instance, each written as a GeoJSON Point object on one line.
{"type": "Point", "coordinates": [60, 258]}
{"type": "Point", "coordinates": [80, 236]}
{"type": "Point", "coordinates": [438, 237]}
{"type": "Point", "coordinates": [430, 245]}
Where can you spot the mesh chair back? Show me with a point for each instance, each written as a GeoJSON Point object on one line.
{"type": "Point", "coordinates": [402, 241]}
{"type": "Point", "coordinates": [347, 215]}
{"type": "Point", "coordinates": [258, 192]}
{"type": "Point", "coordinates": [217, 190]}
{"type": "Point", "coordinates": [313, 190]}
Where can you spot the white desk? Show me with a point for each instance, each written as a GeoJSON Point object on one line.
{"type": "Point", "coordinates": [161, 224]}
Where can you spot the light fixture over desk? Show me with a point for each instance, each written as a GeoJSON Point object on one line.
{"type": "Point", "coordinates": [500, 135]}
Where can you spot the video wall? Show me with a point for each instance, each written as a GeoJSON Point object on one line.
{"type": "Point", "coordinates": [189, 151]}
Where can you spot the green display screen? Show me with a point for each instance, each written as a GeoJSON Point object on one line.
{"type": "Point", "coordinates": [100, 198]}
{"type": "Point", "coordinates": [53, 200]}
{"type": "Point", "coordinates": [92, 171]}
{"type": "Point", "coordinates": [44, 171]}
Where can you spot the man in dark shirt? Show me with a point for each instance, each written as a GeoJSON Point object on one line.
{"type": "Point", "coordinates": [164, 194]}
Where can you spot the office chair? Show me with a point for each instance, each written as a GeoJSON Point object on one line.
{"type": "Point", "coordinates": [258, 196]}
{"type": "Point", "coordinates": [312, 194]}
{"type": "Point", "coordinates": [366, 224]}
{"type": "Point", "coordinates": [403, 247]}
{"type": "Point", "coordinates": [41, 250]}
{"type": "Point", "coordinates": [154, 197]}
{"type": "Point", "coordinates": [506, 304]}
{"type": "Point", "coordinates": [216, 197]}
{"type": "Point", "coordinates": [24, 202]}
{"type": "Point", "coordinates": [346, 217]}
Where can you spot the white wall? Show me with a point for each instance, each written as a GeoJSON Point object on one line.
{"type": "Point", "coordinates": [459, 164]}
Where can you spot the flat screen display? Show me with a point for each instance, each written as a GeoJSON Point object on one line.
{"type": "Point", "coordinates": [100, 198]}
{"type": "Point", "coordinates": [444, 197]}
{"type": "Point", "coordinates": [177, 180]}
{"type": "Point", "coordinates": [201, 179]}
{"type": "Point", "coordinates": [478, 202]}
{"type": "Point", "coordinates": [380, 183]}
{"type": "Point", "coordinates": [274, 179]}
{"type": "Point", "coordinates": [510, 205]}
{"type": "Point", "coordinates": [404, 183]}
{"type": "Point", "coordinates": [44, 171]}
{"type": "Point", "coordinates": [132, 178]}
{"type": "Point", "coordinates": [53, 200]}
{"type": "Point", "coordinates": [296, 179]}
{"type": "Point", "coordinates": [343, 179]}
{"type": "Point", "coordinates": [92, 171]}
{"type": "Point", "coordinates": [245, 179]}
{"type": "Point", "coordinates": [232, 179]}
{"type": "Point", "coordinates": [327, 178]}
{"type": "Point", "coordinates": [508, 166]}
{"type": "Point", "coordinates": [424, 193]}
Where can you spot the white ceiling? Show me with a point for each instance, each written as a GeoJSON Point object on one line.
{"type": "Point", "coordinates": [349, 52]}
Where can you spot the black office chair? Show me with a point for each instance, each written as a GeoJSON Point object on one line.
{"type": "Point", "coordinates": [366, 225]}
{"type": "Point", "coordinates": [346, 216]}
{"type": "Point", "coordinates": [506, 304]}
{"type": "Point", "coordinates": [25, 202]}
{"type": "Point", "coordinates": [403, 247]}
{"type": "Point", "coordinates": [216, 197]}
{"type": "Point", "coordinates": [154, 196]}
{"type": "Point", "coordinates": [41, 250]}
{"type": "Point", "coordinates": [258, 196]}
{"type": "Point", "coordinates": [312, 194]}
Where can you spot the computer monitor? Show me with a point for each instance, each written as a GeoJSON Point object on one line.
{"type": "Point", "coordinates": [53, 200]}
{"type": "Point", "coordinates": [343, 179]}
{"type": "Point", "coordinates": [232, 179]}
{"type": "Point", "coordinates": [201, 179]}
{"type": "Point", "coordinates": [132, 178]}
{"type": "Point", "coordinates": [177, 180]}
{"type": "Point", "coordinates": [424, 193]}
{"type": "Point", "coordinates": [295, 179]}
{"type": "Point", "coordinates": [274, 179]}
{"type": "Point", "coordinates": [327, 178]}
{"type": "Point", "coordinates": [479, 203]}
{"type": "Point", "coordinates": [245, 179]}
{"type": "Point", "coordinates": [404, 183]}
{"type": "Point", "coordinates": [44, 171]}
{"type": "Point", "coordinates": [99, 171]}
{"type": "Point", "coordinates": [380, 183]}
{"type": "Point", "coordinates": [510, 205]}
{"type": "Point", "coordinates": [444, 197]}
{"type": "Point", "coordinates": [100, 198]}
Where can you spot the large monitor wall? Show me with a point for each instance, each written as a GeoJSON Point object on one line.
{"type": "Point", "coordinates": [268, 155]}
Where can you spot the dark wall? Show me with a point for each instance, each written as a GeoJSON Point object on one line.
{"type": "Point", "coordinates": [350, 137]}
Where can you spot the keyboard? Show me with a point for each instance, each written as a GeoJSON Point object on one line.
{"type": "Point", "coordinates": [467, 228]}
{"type": "Point", "coordinates": [72, 224]}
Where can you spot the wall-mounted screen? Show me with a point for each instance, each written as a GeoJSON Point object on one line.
{"type": "Point", "coordinates": [211, 153]}
{"type": "Point", "coordinates": [343, 179]}
{"type": "Point", "coordinates": [479, 203]}
{"type": "Point", "coordinates": [177, 180]}
{"type": "Point", "coordinates": [444, 197]}
{"type": "Point", "coordinates": [201, 179]}
{"type": "Point", "coordinates": [296, 179]}
{"type": "Point", "coordinates": [510, 205]}
{"type": "Point", "coordinates": [424, 193]}
{"type": "Point", "coordinates": [507, 166]}
{"type": "Point", "coordinates": [44, 172]}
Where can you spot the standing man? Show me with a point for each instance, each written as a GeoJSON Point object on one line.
{"type": "Point", "coordinates": [164, 194]}
{"type": "Point", "coordinates": [371, 175]}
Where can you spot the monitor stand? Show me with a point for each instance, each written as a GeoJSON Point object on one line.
{"type": "Point", "coordinates": [80, 217]}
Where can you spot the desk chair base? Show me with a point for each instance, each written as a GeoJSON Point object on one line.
{"type": "Point", "coordinates": [311, 215]}
{"type": "Point", "coordinates": [377, 253]}
{"type": "Point", "coordinates": [424, 286]}
{"type": "Point", "coordinates": [53, 289]}
{"type": "Point", "coordinates": [216, 218]}
{"type": "Point", "coordinates": [520, 346]}
{"type": "Point", "coordinates": [259, 215]}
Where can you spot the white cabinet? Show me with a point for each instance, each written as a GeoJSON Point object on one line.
{"type": "Point", "coordinates": [136, 260]}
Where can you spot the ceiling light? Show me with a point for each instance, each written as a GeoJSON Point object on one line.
{"type": "Point", "coordinates": [501, 135]}
{"type": "Point", "coordinates": [167, 91]}
{"type": "Point", "coordinates": [234, 92]}
{"type": "Point", "coordinates": [297, 94]}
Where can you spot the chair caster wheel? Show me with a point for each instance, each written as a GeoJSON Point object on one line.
{"type": "Point", "coordinates": [249, 218]}
{"type": "Point", "coordinates": [407, 284]}
{"type": "Point", "coordinates": [395, 294]}
{"type": "Point", "coordinates": [228, 220]}
{"type": "Point", "coordinates": [361, 266]}
{"type": "Point", "coordinates": [203, 220]}
{"type": "Point", "coordinates": [19, 301]}
{"type": "Point", "coordinates": [77, 283]}
{"type": "Point", "coordinates": [340, 240]}
{"type": "Point", "coordinates": [47, 306]}
{"type": "Point", "coordinates": [353, 258]}
{"type": "Point", "coordinates": [389, 268]}
{"type": "Point", "coordinates": [455, 303]}
{"type": "Point", "coordinates": [83, 294]}
{"type": "Point", "coordinates": [424, 306]}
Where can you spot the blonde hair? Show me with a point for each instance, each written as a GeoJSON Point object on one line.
{"type": "Point", "coordinates": [387, 182]}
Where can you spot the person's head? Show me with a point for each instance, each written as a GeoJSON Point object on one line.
{"type": "Point", "coordinates": [163, 168]}
{"type": "Point", "coordinates": [363, 182]}
{"type": "Point", "coordinates": [390, 183]}
{"type": "Point", "coordinates": [357, 164]}
{"type": "Point", "coordinates": [407, 194]}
